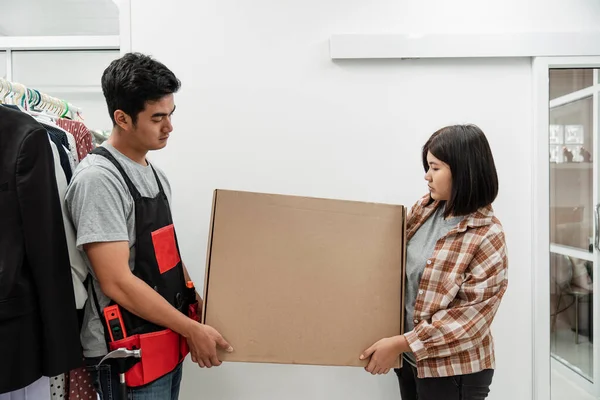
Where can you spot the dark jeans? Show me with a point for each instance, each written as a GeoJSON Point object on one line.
{"type": "Point", "coordinates": [106, 383]}
{"type": "Point", "coordinates": [462, 387]}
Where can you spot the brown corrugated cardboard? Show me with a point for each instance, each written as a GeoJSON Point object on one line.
{"type": "Point", "coordinates": [299, 280]}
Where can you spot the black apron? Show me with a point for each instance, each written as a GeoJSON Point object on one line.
{"type": "Point", "coordinates": [158, 263]}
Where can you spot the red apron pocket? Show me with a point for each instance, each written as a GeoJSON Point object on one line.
{"type": "Point", "coordinates": [165, 248]}
{"type": "Point", "coordinates": [160, 353]}
{"type": "Point", "coordinates": [135, 375]}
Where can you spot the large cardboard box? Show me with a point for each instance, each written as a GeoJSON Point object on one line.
{"type": "Point", "coordinates": [299, 280]}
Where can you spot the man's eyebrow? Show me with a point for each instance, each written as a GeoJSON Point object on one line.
{"type": "Point", "coordinates": [163, 114]}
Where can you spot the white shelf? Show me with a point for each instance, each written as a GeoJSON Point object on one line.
{"type": "Point", "coordinates": [68, 89]}
{"type": "Point", "coordinates": [59, 42]}
{"type": "Point", "coordinates": [571, 252]}
{"type": "Point", "coordinates": [362, 46]}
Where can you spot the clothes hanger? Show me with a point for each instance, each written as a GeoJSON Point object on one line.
{"type": "Point", "coordinates": [20, 92]}
{"type": "Point", "coordinates": [45, 115]}
{"type": "Point", "coordinates": [9, 95]}
{"type": "Point", "coordinates": [66, 109]}
{"type": "Point", "coordinates": [34, 99]}
{"type": "Point", "coordinates": [4, 89]}
{"type": "Point", "coordinates": [37, 104]}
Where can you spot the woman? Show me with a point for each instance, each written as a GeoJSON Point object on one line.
{"type": "Point", "coordinates": [456, 275]}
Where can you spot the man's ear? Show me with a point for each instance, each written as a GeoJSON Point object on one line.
{"type": "Point", "coordinates": [123, 120]}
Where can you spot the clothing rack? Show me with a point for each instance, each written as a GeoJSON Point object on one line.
{"type": "Point", "coordinates": [33, 100]}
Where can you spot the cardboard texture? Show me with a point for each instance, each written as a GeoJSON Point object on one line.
{"type": "Point", "coordinates": [297, 280]}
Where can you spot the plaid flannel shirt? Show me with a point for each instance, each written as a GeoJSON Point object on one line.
{"type": "Point", "coordinates": [459, 294]}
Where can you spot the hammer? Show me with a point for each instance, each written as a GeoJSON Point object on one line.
{"type": "Point", "coordinates": [121, 355]}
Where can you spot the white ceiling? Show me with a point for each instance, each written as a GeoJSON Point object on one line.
{"type": "Point", "coordinates": [58, 17]}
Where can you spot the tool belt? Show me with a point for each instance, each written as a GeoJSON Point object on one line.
{"type": "Point", "coordinates": [162, 350]}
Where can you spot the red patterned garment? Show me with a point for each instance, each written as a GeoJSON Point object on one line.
{"type": "Point", "coordinates": [83, 137]}
{"type": "Point", "coordinates": [80, 385]}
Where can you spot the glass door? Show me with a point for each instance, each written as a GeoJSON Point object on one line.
{"type": "Point", "coordinates": [574, 242]}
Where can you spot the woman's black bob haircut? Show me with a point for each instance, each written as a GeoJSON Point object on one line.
{"type": "Point", "coordinates": [474, 178]}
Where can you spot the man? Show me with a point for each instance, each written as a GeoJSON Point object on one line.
{"type": "Point", "coordinates": [119, 205]}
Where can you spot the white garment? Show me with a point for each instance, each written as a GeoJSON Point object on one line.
{"type": "Point", "coordinates": [78, 269]}
{"type": "Point", "coordinates": [38, 390]}
{"type": "Point", "coordinates": [72, 160]}
{"type": "Point", "coordinates": [57, 388]}
{"type": "Point", "coordinates": [73, 146]}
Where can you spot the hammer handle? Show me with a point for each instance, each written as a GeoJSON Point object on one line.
{"type": "Point", "coordinates": [122, 387]}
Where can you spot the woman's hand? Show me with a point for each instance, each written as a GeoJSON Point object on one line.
{"type": "Point", "coordinates": [384, 354]}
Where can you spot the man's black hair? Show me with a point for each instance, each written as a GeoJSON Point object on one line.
{"type": "Point", "coordinates": [134, 79]}
{"type": "Point", "coordinates": [474, 178]}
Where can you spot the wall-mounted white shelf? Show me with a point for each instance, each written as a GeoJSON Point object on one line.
{"type": "Point", "coordinates": [59, 42]}
{"type": "Point", "coordinates": [362, 46]}
{"type": "Point", "coordinates": [69, 89]}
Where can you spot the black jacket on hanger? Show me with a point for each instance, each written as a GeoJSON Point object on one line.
{"type": "Point", "coordinates": [39, 333]}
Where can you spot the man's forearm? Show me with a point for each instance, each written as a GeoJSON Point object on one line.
{"type": "Point", "coordinates": [140, 299]}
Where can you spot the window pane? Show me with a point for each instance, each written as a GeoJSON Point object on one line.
{"type": "Point", "coordinates": [61, 68]}
{"type": "Point", "coordinates": [3, 64]}
{"type": "Point", "coordinates": [571, 311]}
{"type": "Point", "coordinates": [73, 76]}
{"type": "Point", "coordinates": [565, 81]}
{"type": "Point", "coordinates": [571, 172]}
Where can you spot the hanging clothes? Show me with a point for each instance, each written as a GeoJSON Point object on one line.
{"type": "Point", "coordinates": [39, 333]}
{"type": "Point", "coordinates": [60, 140]}
{"type": "Point", "coordinates": [72, 161]}
{"type": "Point", "coordinates": [83, 137]}
{"type": "Point", "coordinates": [58, 388]}
{"type": "Point", "coordinates": [73, 147]}
{"type": "Point", "coordinates": [38, 390]}
{"type": "Point", "coordinates": [80, 385]}
{"type": "Point", "coordinates": [78, 268]}
{"type": "Point", "coordinates": [77, 383]}
{"type": "Point", "coordinates": [99, 137]}
{"type": "Point", "coordinates": [68, 142]}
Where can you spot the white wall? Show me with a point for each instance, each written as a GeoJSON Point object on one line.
{"type": "Point", "coordinates": [263, 108]}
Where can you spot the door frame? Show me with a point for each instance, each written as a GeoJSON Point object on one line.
{"type": "Point", "coordinates": [541, 373]}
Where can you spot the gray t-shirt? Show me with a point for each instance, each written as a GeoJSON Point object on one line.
{"type": "Point", "coordinates": [419, 249]}
{"type": "Point", "coordinates": [102, 210]}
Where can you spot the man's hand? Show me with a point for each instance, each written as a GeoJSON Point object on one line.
{"type": "Point", "coordinates": [383, 354]}
{"type": "Point", "coordinates": [203, 341]}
